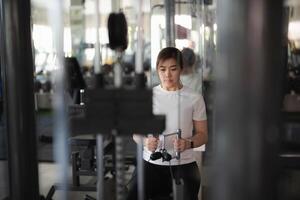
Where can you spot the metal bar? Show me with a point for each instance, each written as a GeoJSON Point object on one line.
{"type": "Point", "coordinates": [178, 189]}
{"type": "Point", "coordinates": [75, 188]}
{"type": "Point", "coordinates": [86, 173]}
{"type": "Point", "coordinates": [170, 23]}
{"type": "Point", "coordinates": [247, 99]}
{"type": "Point", "coordinates": [61, 128]}
{"type": "Point", "coordinates": [140, 37]}
{"type": "Point", "coordinates": [51, 193]}
{"type": "Point", "coordinates": [118, 74]}
{"type": "Point", "coordinates": [115, 6]}
{"type": "Point", "coordinates": [17, 67]}
{"type": "Point", "coordinates": [140, 169]}
{"type": "Point", "coordinates": [199, 21]}
{"type": "Point", "coordinates": [75, 169]}
{"type": "Point", "coordinates": [100, 168]}
{"type": "Point", "coordinates": [170, 134]}
{"type": "Point", "coordinates": [97, 44]}
{"type": "Point", "coordinates": [177, 153]}
{"type": "Point", "coordinates": [203, 42]}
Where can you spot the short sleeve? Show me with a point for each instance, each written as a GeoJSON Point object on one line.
{"type": "Point", "coordinates": [199, 110]}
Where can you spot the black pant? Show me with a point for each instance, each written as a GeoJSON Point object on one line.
{"type": "Point", "coordinates": [158, 181]}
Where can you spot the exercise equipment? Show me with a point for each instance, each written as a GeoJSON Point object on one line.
{"type": "Point", "coordinates": [115, 109]}
{"type": "Point", "coordinates": [163, 153]}
{"type": "Point", "coordinates": [117, 31]}
{"type": "Point", "coordinates": [75, 80]}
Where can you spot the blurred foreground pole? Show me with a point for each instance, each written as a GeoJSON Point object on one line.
{"type": "Point", "coordinates": [17, 71]}
{"type": "Point", "coordinates": [170, 23]}
{"type": "Point", "coordinates": [248, 86]}
{"type": "Point", "coordinates": [59, 98]}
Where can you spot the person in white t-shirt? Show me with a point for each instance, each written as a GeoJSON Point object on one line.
{"type": "Point", "coordinates": [184, 110]}
{"type": "Point", "coordinates": [189, 76]}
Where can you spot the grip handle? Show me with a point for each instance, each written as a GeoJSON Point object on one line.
{"type": "Point", "coordinates": [177, 153]}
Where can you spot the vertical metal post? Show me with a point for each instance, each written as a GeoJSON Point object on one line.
{"type": "Point", "coordinates": [118, 72]}
{"type": "Point", "coordinates": [77, 26]}
{"type": "Point", "coordinates": [140, 168]}
{"type": "Point", "coordinates": [61, 128]}
{"type": "Point", "coordinates": [170, 23]}
{"type": "Point", "coordinates": [115, 6]}
{"type": "Point", "coordinates": [178, 189]}
{"type": "Point", "coordinates": [203, 42]}
{"type": "Point", "coordinates": [17, 67]}
{"type": "Point", "coordinates": [100, 168]}
{"type": "Point", "coordinates": [247, 105]}
{"type": "Point", "coordinates": [140, 39]}
{"type": "Point", "coordinates": [97, 61]}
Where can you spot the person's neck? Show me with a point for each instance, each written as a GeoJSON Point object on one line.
{"type": "Point", "coordinates": [178, 87]}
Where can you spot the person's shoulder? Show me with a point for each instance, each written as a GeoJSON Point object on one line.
{"type": "Point", "coordinates": [188, 91]}
{"type": "Point", "coordinates": [156, 88]}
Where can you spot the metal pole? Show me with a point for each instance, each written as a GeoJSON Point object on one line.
{"type": "Point", "coordinates": [247, 105]}
{"type": "Point", "coordinates": [140, 43]}
{"type": "Point", "coordinates": [97, 61]}
{"type": "Point", "coordinates": [61, 128]}
{"type": "Point", "coordinates": [203, 42]}
{"type": "Point", "coordinates": [17, 67]}
{"type": "Point", "coordinates": [140, 169]}
{"type": "Point", "coordinates": [170, 23]}
{"type": "Point", "coordinates": [199, 21]}
{"type": "Point", "coordinates": [100, 168]}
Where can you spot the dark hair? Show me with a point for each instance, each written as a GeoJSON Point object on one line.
{"type": "Point", "coordinates": [170, 52]}
{"type": "Point", "coordinates": [188, 57]}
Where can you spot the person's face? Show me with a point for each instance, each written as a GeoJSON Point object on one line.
{"type": "Point", "coordinates": [169, 74]}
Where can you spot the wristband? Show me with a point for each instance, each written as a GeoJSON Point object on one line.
{"type": "Point", "coordinates": [192, 144]}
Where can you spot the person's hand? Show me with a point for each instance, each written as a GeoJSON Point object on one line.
{"type": "Point", "coordinates": [151, 143]}
{"type": "Point", "coordinates": [180, 145]}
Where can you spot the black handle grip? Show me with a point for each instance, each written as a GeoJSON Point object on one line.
{"type": "Point", "coordinates": [155, 155]}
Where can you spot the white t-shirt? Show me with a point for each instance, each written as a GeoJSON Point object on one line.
{"type": "Point", "coordinates": [193, 81]}
{"type": "Point", "coordinates": [191, 107]}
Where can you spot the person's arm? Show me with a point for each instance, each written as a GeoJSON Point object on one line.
{"type": "Point", "coordinates": [149, 142]}
{"type": "Point", "coordinates": [199, 138]}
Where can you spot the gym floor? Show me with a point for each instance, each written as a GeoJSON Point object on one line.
{"type": "Point", "coordinates": [48, 177]}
